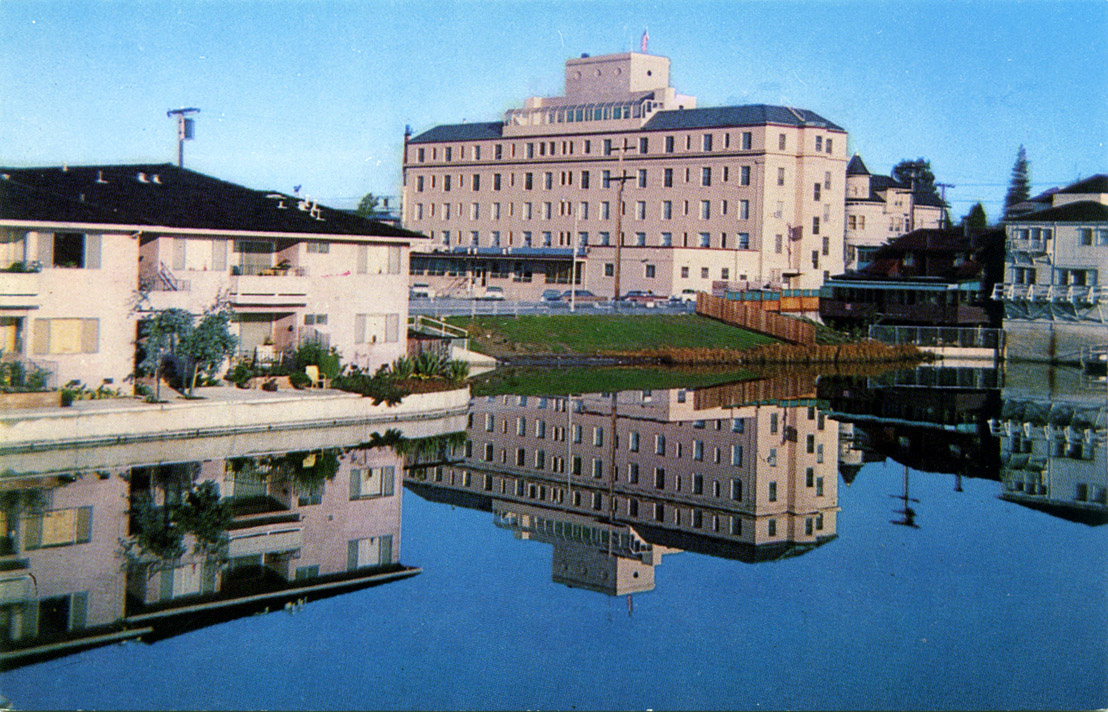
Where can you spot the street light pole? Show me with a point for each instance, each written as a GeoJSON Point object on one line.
{"type": "Point", "coordinates": [619, 219]}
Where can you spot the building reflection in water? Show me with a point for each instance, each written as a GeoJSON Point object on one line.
{"type": "Point", "coordinates": [1040, 431]}
{"type": "Point", "coordinates": [616, 481]}
{"type": "Point", "coordinates": [112, 552]}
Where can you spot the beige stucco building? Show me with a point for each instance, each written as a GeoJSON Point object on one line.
{"type": "Point", "coordinates": [86, 252]}
{"type": "Point", "coordinates": [738, 193]}
{"type": "Point", "coordinates": [878, 208]}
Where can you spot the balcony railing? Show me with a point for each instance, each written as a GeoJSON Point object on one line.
{"type": "Point", "coordinates": [1072, 293]}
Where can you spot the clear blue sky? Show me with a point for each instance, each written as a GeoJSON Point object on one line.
{"type": "Point", "coordinates": [318, 93]}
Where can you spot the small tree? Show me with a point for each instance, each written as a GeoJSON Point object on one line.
{"type": "Point", "coordinates": [976, 218]}
{"type": "Point", "coordinates": [165, 329]}
{"type": "Point", "coordinates": [208, 345]}
{"type": "Point", "coordinates": [1019, 187]}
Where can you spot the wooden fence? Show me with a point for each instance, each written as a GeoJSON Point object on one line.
{"type": "Point", "coordinates": [777, 388]}
{"type": "Point", "coordinates": [755, 319]}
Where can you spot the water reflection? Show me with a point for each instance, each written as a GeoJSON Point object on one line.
{"type": "Point", "coordinates": [1040, 432]}
{"type": "Point", "coordinates": [109, 553]}
{"type": "Point", "coordinates": [616, 481]}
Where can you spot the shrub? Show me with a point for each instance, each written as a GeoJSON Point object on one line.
{"type": "Point", "coordinates": [457, 371]}
{"type": "Point", "coordinates": [240, 374]}
{"type": "Point", "coordinates": [67, 397]}
{"type": "Point", "coordinates": [299, 379]}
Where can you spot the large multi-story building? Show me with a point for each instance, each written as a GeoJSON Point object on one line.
{"type": "Point", "coordinates": [616, 481]}
{"type": "Point", "coordinates": [86, 251]}
{"type": "Point", "coordinates": [748, 194]}
{"type": "Point", "coordinates": [879, 208]}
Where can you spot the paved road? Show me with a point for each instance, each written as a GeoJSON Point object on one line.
{"type": "Point", "coordinates": [457, 307]}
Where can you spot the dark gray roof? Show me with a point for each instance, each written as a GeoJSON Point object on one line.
{"type": "Point", "coordinates": [1082, 211]}
{"type": "Point", "coordinates": [856, 167]}
{"type": "Point", "coordinates": [1093, 184]}
{"type": "Point", "coordinates": [128, 195]}
{"type": "Point", "coordinates": [748, 115]}
{"type": "Point", "coordinates": [461, 132]}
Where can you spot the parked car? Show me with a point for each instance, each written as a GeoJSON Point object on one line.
{"type": "Point", "coordinates": [551, 295]}
{"type": "Point", "coordinates": [685, 295]}
{"type": "Point", "coordinates": [640, 298]}
{"type": "Point", "coordinates": [581, 296]}
{"type": "Point", "coordinates": [421, 291]}
{"type": "Point", "coordinates": [493, 294]}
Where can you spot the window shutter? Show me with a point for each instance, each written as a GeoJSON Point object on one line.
{"type": "Point", "coordinates": [359, 328]}
{"type": "Point", "coordinates": [32, 532]}
{"type": "Point", "coordinates": [392, 327]}
{"type": "Point", "coordinates": [46, 248]}
{"type": "Point", "coordinates": [387, 475]}
{"type": "Point", "coordinates": [219, 255]}
{"type": "Point", "coordinates": [352, 555]}
{"type": "Point", "coordinates": [90, 336]}
{"type": "Point", "coordinates": [355, 483]}
{"type": "Point", "coordinates": [178, 253]}
{"type": "Point", "coordinates": [78, 610]}
{"type": "Point", "coordinates": [385, 550]}
{"type": "Point", "coordinates": [92, 251]}
{"type": "Point", "coordinates": [363, 259]}
{"type": "Point", "coordinates": [394, 259]}
{"type": "Point", "coordinates": [167, 585]}
{"type": "Point", "coordinates": [41, 337]}
{"type": "Point", "coordinates": [84, 525]}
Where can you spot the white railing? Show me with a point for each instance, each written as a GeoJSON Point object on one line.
{"type": "Point", "coordinates": [1050, 293]}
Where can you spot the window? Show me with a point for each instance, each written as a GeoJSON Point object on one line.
{"type": "Point", "coordinates": [58, 527]}
{"type": "Point", "coordinates": [737, 455]}
{"type": "Point", "coordinates": [607, 147]}
{"type": "Point", "coordinates": [772, 491]}
{"type": "Point", "coordinates": [598, 437]}
{"type": "Point", "coordinates": [705, 209]}
{"type": "Point", "coordinates": [827, 180]}
{"type": "Point", "coordinates": [780, 176]}
{"type": "Point", "coordinates": [78, 250]}
{"type": "Point", "coordinates": [669, 144]}
{"type": "Point", "coordinates": [640, 210]}
{"type": "Point", "coordinates": [829, 144]}
{"type": "Point", "coordinates": [667, 178]}
{"type": "Point", "coordinates": [609, 270]}
{"type": "Point", "coordinates": [744, 210]}
{"type": "Point", "coordinates": [547, 210]}
{"type": "Point", "coordinates": [66, 336]}
{"type": "Point", "coordinates": [597, 467]}
{"type": "Point", "coordinates": [642, 177]}
{"type": "Point", "coordinates": [706, 142]}
{"type": "Point", "coordinates": [819, 143]}
{"type": "Point", "coordinates": [744, 240]}
{"type": "Point", "coordinates": [780, 142]}
{"type": "Point", "coordinates": [640, 239]}
{"type": "Point", "coordinates": [736, 489]}
{"type": "Point", "coordinates": [706, 176]}
{"type": "Point", "coordinates": [725, 273]}
{"type": "Point", "coordinates": [528, 181]}
{"type": "Point", "coordinates": [815, 225]}
{"type": "Point", "coordinates": [704, 270]}
{"type": "Point", "coordinates": [476, 183]}
{"type": "Point", "coordinates": [667, 239]}
{"type": "Point", "coordinates": [747, 140]}
{"type": "Point", "coordinates": [446, 183]}
{"type": "Point", "coordinates": [584, 180]}
{"type": "Point", "coordinates": [649, 271]}
{"type": "Point", "coordinates": [659, 444]}
{"type": "Point", "coordinates": [644, 145]}
{"type": "Point", "coordinates": [704, 240]}
{"type": "Point", "coordinates": [421, 155]}
{"type": "Point", "coordinates": [816, 191]}
{"type": "Point", "coordinates": [372, 482]}
{"type": "Point", "coordinates": [744, 175]}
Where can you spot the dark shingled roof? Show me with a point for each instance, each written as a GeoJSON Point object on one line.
{"type": "Point", "coordinates": [461, 132]}
{"type": "Point", "coordinates": [856, 167]}
{"type": "Point", "coordinates": [181, 198]}
{"type": "Point", "coordinates": [1093, 184]}
{"type": "Point", "coordinates": [748, 115]}
{"type": "Point", "coordinates": [1082, 211]}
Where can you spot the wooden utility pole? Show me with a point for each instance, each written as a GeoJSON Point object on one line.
{"type": "Point", "coordinates": [619, 219]}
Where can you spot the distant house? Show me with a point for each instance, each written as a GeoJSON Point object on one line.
{"type": "Point", "coordinates": [878, 208]}
{"type": "Point", "coordinates": [86, 251]}
{"type": "Point", "coordinates": [1053, 291]}
{"type": "Point", "coordinates": [925, 278]}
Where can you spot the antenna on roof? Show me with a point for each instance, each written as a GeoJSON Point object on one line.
{"type": "Point", "coordinates": [186, 130]}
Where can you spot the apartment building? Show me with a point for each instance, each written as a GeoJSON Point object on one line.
{"type": "Point", "coordinates": [86, 251]}
{"type": "Point", "coordinates": [878, 208]}
{"type": "Point", "coordinates": [78, 566]}
{"type": "Point", "coordinates": [1056, 261]}
{"type": "Point", "coordinates": [646, 473]}
{"type": "Point", "coordinates": [744, 194]}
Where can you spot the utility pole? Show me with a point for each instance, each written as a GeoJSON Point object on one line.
{"type": "Point", "coordinates": [623, 178]}
{"type": "Point", "coordinates": [186, 129]}
{"type": "Point", "coordinates": [942, 187]}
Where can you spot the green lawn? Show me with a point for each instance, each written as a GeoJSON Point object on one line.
{"type": "Point", "coordinates": [566, 381]}
{"type": "Point", "coordinates": [598, 334]}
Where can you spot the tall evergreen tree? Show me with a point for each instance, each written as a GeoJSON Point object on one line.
{"type": "Point", "coordinates": [915, 173]}
{"type": "Point", "coordinates": [1019, 188]}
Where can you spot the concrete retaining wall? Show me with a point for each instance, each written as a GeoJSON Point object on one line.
{"type": "Point", "coordinates": [30, 431]}
{"type": "Point", "coordinates": [1049, 341]}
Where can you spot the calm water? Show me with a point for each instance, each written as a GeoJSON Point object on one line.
{"type": "Point", "coordinates": [929, 539]}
